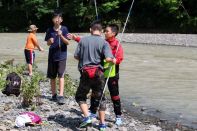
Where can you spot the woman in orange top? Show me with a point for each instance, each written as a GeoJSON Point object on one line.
{"type": "Point", "coordinates": [31, 44]}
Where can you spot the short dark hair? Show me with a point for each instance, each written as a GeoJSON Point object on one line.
{"type": "Point", "coordinates": [96, 25]}
{"type": "Point", "coordinates": [114, 28]}
{"type": "Point", "coordinates": [56, 13]}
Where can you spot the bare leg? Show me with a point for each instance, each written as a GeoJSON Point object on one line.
{"type": "Point", "coordinates": [84, 109]}
{"type": "Point", "coordinates": [30, 69]}
{"type": "Point", "coordinates": [61, 86]}
{"type": "Point", "coordinates": [53, 86]}
{"type": "Point", "coordinates": [102, 117]}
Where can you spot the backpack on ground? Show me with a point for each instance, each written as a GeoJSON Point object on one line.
{"type": "Point", "coordinates": [13, 84]}
{"type": "Point", "coordinates": [28, 118]}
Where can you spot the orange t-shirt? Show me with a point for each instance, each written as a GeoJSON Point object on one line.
{"type": "Point", "coordinates": [31, 42]}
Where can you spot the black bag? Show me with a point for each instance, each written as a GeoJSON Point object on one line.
{"type": "Point", "coordinates": [13, 84]}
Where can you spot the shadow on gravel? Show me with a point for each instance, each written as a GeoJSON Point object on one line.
{"type": "Point", "coordinates": [46, 97]}
{"type": "Point", "coordinates": [75, 111]}
{"type": "Point", "coordinates": [67, 122]}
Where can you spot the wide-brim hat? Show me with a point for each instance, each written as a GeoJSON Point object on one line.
{"type": "Point", "coordinates": [32, 28]}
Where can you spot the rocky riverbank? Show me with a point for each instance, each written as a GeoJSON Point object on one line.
{"type": "Point", "coordinates": [55, 117]}
{"type": "Point", "coordinates": [158, 39]}
{"type": "Point", "coordinates": [66, 117]}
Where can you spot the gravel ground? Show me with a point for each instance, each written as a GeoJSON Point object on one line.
{"type": "Point", "coordinates": [62, 118]}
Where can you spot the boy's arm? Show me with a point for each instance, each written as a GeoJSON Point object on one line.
{"type": "Point", "coordinates": [64, 40]}
{"type": "Point", "coordinates": [119, 55]}
{"type": "Point", "coordinates": [108, 54]}
{"type": "Point", "coordinates": [74, 37]}
{"type": "Point", "coordinates": [48, 38]}
{"type": "Point", "coordinates": [76, 57]}
{"type": "Point", "coordinates": [109, 59]}
{"type": "Point", "coordinates": [35, 41]}
{"type": "Point", "coordinates": [77, 39]}
{"type": "Point", "coordinates": [77, 52]}
{"type": "Point", "coordinates": [40, 48]}
{"type": "Point", "coordinates": [50, 41]}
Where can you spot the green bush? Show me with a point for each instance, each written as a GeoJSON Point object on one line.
{"type": "Point", "coordinates": [69, 86]}
{"type": "Point", "coordinates": [30, 87]}
{"type": "Point", "coordinates": [2, 78]}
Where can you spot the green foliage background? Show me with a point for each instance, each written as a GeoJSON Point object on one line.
{"type": "Point", "coordinates": [147, 15]}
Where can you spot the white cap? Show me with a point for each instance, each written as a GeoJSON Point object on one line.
{"type": "Point", "coordinates": [21, 120]}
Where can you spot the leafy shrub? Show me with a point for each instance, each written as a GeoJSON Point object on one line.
{"type": "Point", "coordinates": [30, 88]}
{"type": "Point", "coordinates": [30, 85]}
{"type": "Point", "coordinates": [69, 86]}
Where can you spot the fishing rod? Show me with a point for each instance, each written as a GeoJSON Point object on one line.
{"type": "Point", "coordinates": [59, 41]}
{"type": "Point", "coordinates": [181, 4]}
{"type": "Point", "coordinates": [57, 3]}
{"type": "Point", "coordinates": [125, 24]}
{"type": "Point", "coordinates": [96, 10]}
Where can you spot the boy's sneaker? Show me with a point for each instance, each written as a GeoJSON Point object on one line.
{"type": "Point", "coordinates": [93, 116]}
{"type": "Point", "coordinates": [54, 97]}
{"type": "Point", "coordinates": [86, 121]}
{"type": "Point", "coordinates": [118, 121]}
{"type": "Point", "coordinates": [102, 127]}
{"type": "Point", "coordinates": [61, 100]}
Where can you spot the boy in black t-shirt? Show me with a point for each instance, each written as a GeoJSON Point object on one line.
{"type": "Point", "coordinates": [57, 40]}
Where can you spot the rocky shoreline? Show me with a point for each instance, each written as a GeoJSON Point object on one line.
{"type": "Point", "coordinates": [61, 118]}
{"type": "Point", "coordinates": [67, 117]}
{"type": "Point", "coordinates": [188, 40]}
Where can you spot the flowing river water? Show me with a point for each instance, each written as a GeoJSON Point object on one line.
{"type": "Point", "coordinates": [160, 78]}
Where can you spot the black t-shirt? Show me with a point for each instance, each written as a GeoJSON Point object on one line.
{"type": "Point", "coordinates": [57, 50]}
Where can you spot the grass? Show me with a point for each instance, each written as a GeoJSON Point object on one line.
{"type": "Point", "coordinates": [30, 88]}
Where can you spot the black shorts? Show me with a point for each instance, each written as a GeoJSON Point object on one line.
{"type": "Point", "coordinates": [29, 56]}
{"type": "Point", "coordinates": [97, 85]}
{"type": "Point", "coordinates": [56, 68]}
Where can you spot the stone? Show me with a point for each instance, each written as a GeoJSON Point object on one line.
{"type": "Point", "coordinates": [67, 113]}
{"type": "Point", "coordinates": [90, 129]}
{"type": "Point", "coordinates": [132, 125]}
{"type": "Point", "coordinates": [51, 113]}
{"type": "Point", "coordinates": [110, 125]}
{"type": "Point", "coordinates": [3, 128]}
{"type": "Point", "coordinates": [7, 107]}
{"type": "Point", "coordinates": [143, 108]}
{"type": "Point", "coordinates": [154, 128]}
{"type": "Point", "coordinates": [72, 103]}
{"type": "Point", "coordinates": [16, 130]}
{"type": "Point", "coordinates": [158, 111]}
{"type": "Point", "coordinates": [107, 112]}
{"type": "Point", "coordinates": [8, 122]}
{"type": "Point", "coordinates": [122, 129]}
{"type": "Point", "coordinates": [45, 108]}
{"type": "Point", "coordinates": [63, 129]}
